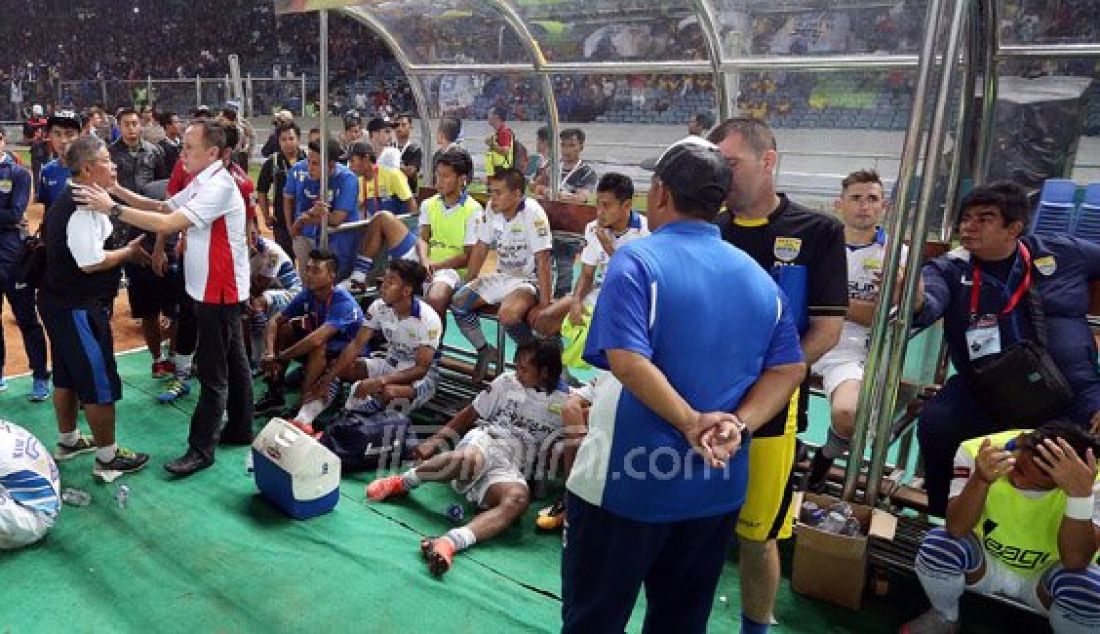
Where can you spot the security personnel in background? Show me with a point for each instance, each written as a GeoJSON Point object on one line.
{"type": "Point", "coordinates": [501, 153]}
{"type": "Point", "coordinates": [15, 194]}
{"type": "Point", "coordinates": [62, 128]}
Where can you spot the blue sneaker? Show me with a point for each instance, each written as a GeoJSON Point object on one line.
{"type": "Point", "coordinates": [40, 391]}
{"type": "Point", "coordinates": [3, 384]}
{"type": "Point", "coordinates": [175, 388]}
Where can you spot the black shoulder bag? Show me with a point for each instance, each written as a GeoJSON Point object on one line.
{"type": "Point", "coordinates": [1021, 386]}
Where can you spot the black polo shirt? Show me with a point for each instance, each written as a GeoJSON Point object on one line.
{"type": "Point", "coordinates": [274, 172]}
{"type": "Point", "coordinates": [793, 234]}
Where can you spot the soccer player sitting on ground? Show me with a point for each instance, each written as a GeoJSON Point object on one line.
{"type": "Point", "coordinates": [505, 428]}
{"type": "Point", "coordinates": [379, 188]}
{"type": "Point", "coordinates": [315, 326]}
{"type": "Point", "coordinates": [448, 227]}
{"type": "Point", "coordinates": [1023, 521]}
{"type": "Point", "coordinates": [616, 224]}
{"type": "Point", "coordinates": [406, 375]}
{"type": "Point", "coordinates": [517, 228]}
{"type": "Point", "coordinates": [275, 282]}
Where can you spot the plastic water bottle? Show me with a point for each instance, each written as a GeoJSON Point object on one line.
{"type": "Point", "coordinates": [123, 497]}
{"type": "Point", "coordinates": [811, 514]}
{"type": "Point", "coordinates": [833, 522]}
{"type": "Point", "coordinates": [248, 463]}
{"type": "Point", "coordinates": [852, 528]}
{"type": "Point", "coordinates": [456, 513]}
{"type": "Point", "coordinates": [75, 497]}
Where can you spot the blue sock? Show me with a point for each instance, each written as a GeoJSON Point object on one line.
{"type": "Point", "coordinates": [749, 626]}
{"type": "Point", "coordinates": [363, 264]}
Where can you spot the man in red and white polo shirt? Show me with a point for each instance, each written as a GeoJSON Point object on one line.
{"type": "Point", "coordinates": [216, 276]}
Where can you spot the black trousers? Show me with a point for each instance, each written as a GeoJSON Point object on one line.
{"type": "Point", "coordinates": [21, 298]}
{"type": "Point", "coordinates": [224, 377]}
{"type": "Point", "coordinates": [607, 559]}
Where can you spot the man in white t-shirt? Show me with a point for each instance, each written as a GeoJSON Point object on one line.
{"type": "Point", "coordinates": [405, 376]}
{"type": "Point", "coordinates": [517, 228]}
{"type": "Point", "coordinates": [504, 432]}
{"type": "Point", "coordinates": [860, 207]}
{"type": "Point", "coordinates": [30, 489]}
{"type": "Point", "coordinates": [616, 224]}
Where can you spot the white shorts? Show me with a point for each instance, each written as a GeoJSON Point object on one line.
{"type": "Point", "coordinates": [20, 526]}
{"type": "Point", "coordinates": [840, 365]}
{"type": "Point", "coordinates": [503, 464]}
{"type": "Point", "coordinates": [450, 277]}
{"type": "Point", "coordinates": [423, 389]}
{"type": "Point", "coordinates": [1002, 580]}
{"type": "Point", "coordinates": [494, 288]}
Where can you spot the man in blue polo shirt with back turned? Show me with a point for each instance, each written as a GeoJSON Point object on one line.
{"type": "Point", "coordinates": [658, 480]}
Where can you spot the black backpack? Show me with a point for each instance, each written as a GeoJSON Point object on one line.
{"type": "Point", "coordinates": [365, 442]}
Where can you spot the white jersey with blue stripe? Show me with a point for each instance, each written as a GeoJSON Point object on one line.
{"type": "Point", "coordinates": [28, 475]}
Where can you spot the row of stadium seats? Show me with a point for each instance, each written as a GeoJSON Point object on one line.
{"type": "Point", "coordinates": [1060, 212]}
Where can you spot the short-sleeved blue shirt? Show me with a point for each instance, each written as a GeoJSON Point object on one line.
{"type": "Point", "coordinates": [340, 311]}
{"type": "Point", "coordinates": [711, 320]}
{"type": "Point", "coordinates": [343, 187]}
{"type": "Point", "coordinates": [54, 178]}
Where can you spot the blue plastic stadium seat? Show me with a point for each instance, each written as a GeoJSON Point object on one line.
{"type": "Point", "coordinates": [1054, 215]}
{"type": "Point", "coordinates": [1086, 223]}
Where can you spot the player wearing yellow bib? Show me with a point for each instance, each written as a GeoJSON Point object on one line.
{"type": "Point", "coordinates": [448, 228]}
{"type": "Point", "coordinates": [1023, 522]}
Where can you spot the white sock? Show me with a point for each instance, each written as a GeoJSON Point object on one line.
{"type": "Point", "coordinates": [69, 438]}
{"type": "Point", "coordinates": [106, 454]}
{"type": "Point", "coordinates": [309, 412]}
{"type": "Point", "coordinates": [943, 592]}
{"type": "Point", "coordinates": [461, 537]}
{"type": "Point", "coordinates": [410, 479]}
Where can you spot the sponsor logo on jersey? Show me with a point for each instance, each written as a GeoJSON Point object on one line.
{"type": "Point", "coordinates": [787, 249]}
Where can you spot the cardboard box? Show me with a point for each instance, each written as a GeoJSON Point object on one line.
{"type": "Point", "coordinates": [833, 567]}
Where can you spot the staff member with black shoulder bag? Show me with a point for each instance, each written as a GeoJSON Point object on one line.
{"type": "Point", "coordinates": [1014, 311]}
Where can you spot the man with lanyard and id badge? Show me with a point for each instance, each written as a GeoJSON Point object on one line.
{"type": "Point", "coordinates": [991, 292]}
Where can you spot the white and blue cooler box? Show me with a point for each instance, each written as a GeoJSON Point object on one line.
{"type": "Point", "coordinates": [294, 471]}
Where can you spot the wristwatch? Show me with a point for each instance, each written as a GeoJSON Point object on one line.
{"type": "Point", "coordinates": [116, 210]}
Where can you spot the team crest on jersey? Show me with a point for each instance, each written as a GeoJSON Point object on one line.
{"type": "Point", "coordinates": [787, 249]}
{"type": "Point", "coordinates": [1046, 265]}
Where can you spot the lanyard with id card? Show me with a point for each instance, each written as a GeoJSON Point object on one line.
{"type": "Point", "coordinates": [983, 335]}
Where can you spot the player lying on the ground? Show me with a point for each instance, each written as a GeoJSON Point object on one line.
{"type": "Point", "coordinates": [506, 428]}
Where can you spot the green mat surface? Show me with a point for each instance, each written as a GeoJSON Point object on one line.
{"type": "Point", "coordinates": [208, 553]}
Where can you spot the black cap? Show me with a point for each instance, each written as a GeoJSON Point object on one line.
{"type": "Point", "coordinates": [361, 148]}
{"type": "Point", "coordinates": [64, 119]}
{"type": "Point", "coordinates": [205, 110]}
{"type": "Point", "coordinates": [379, 123]}
{"type": "Point", "coordinates": [694, 165]}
